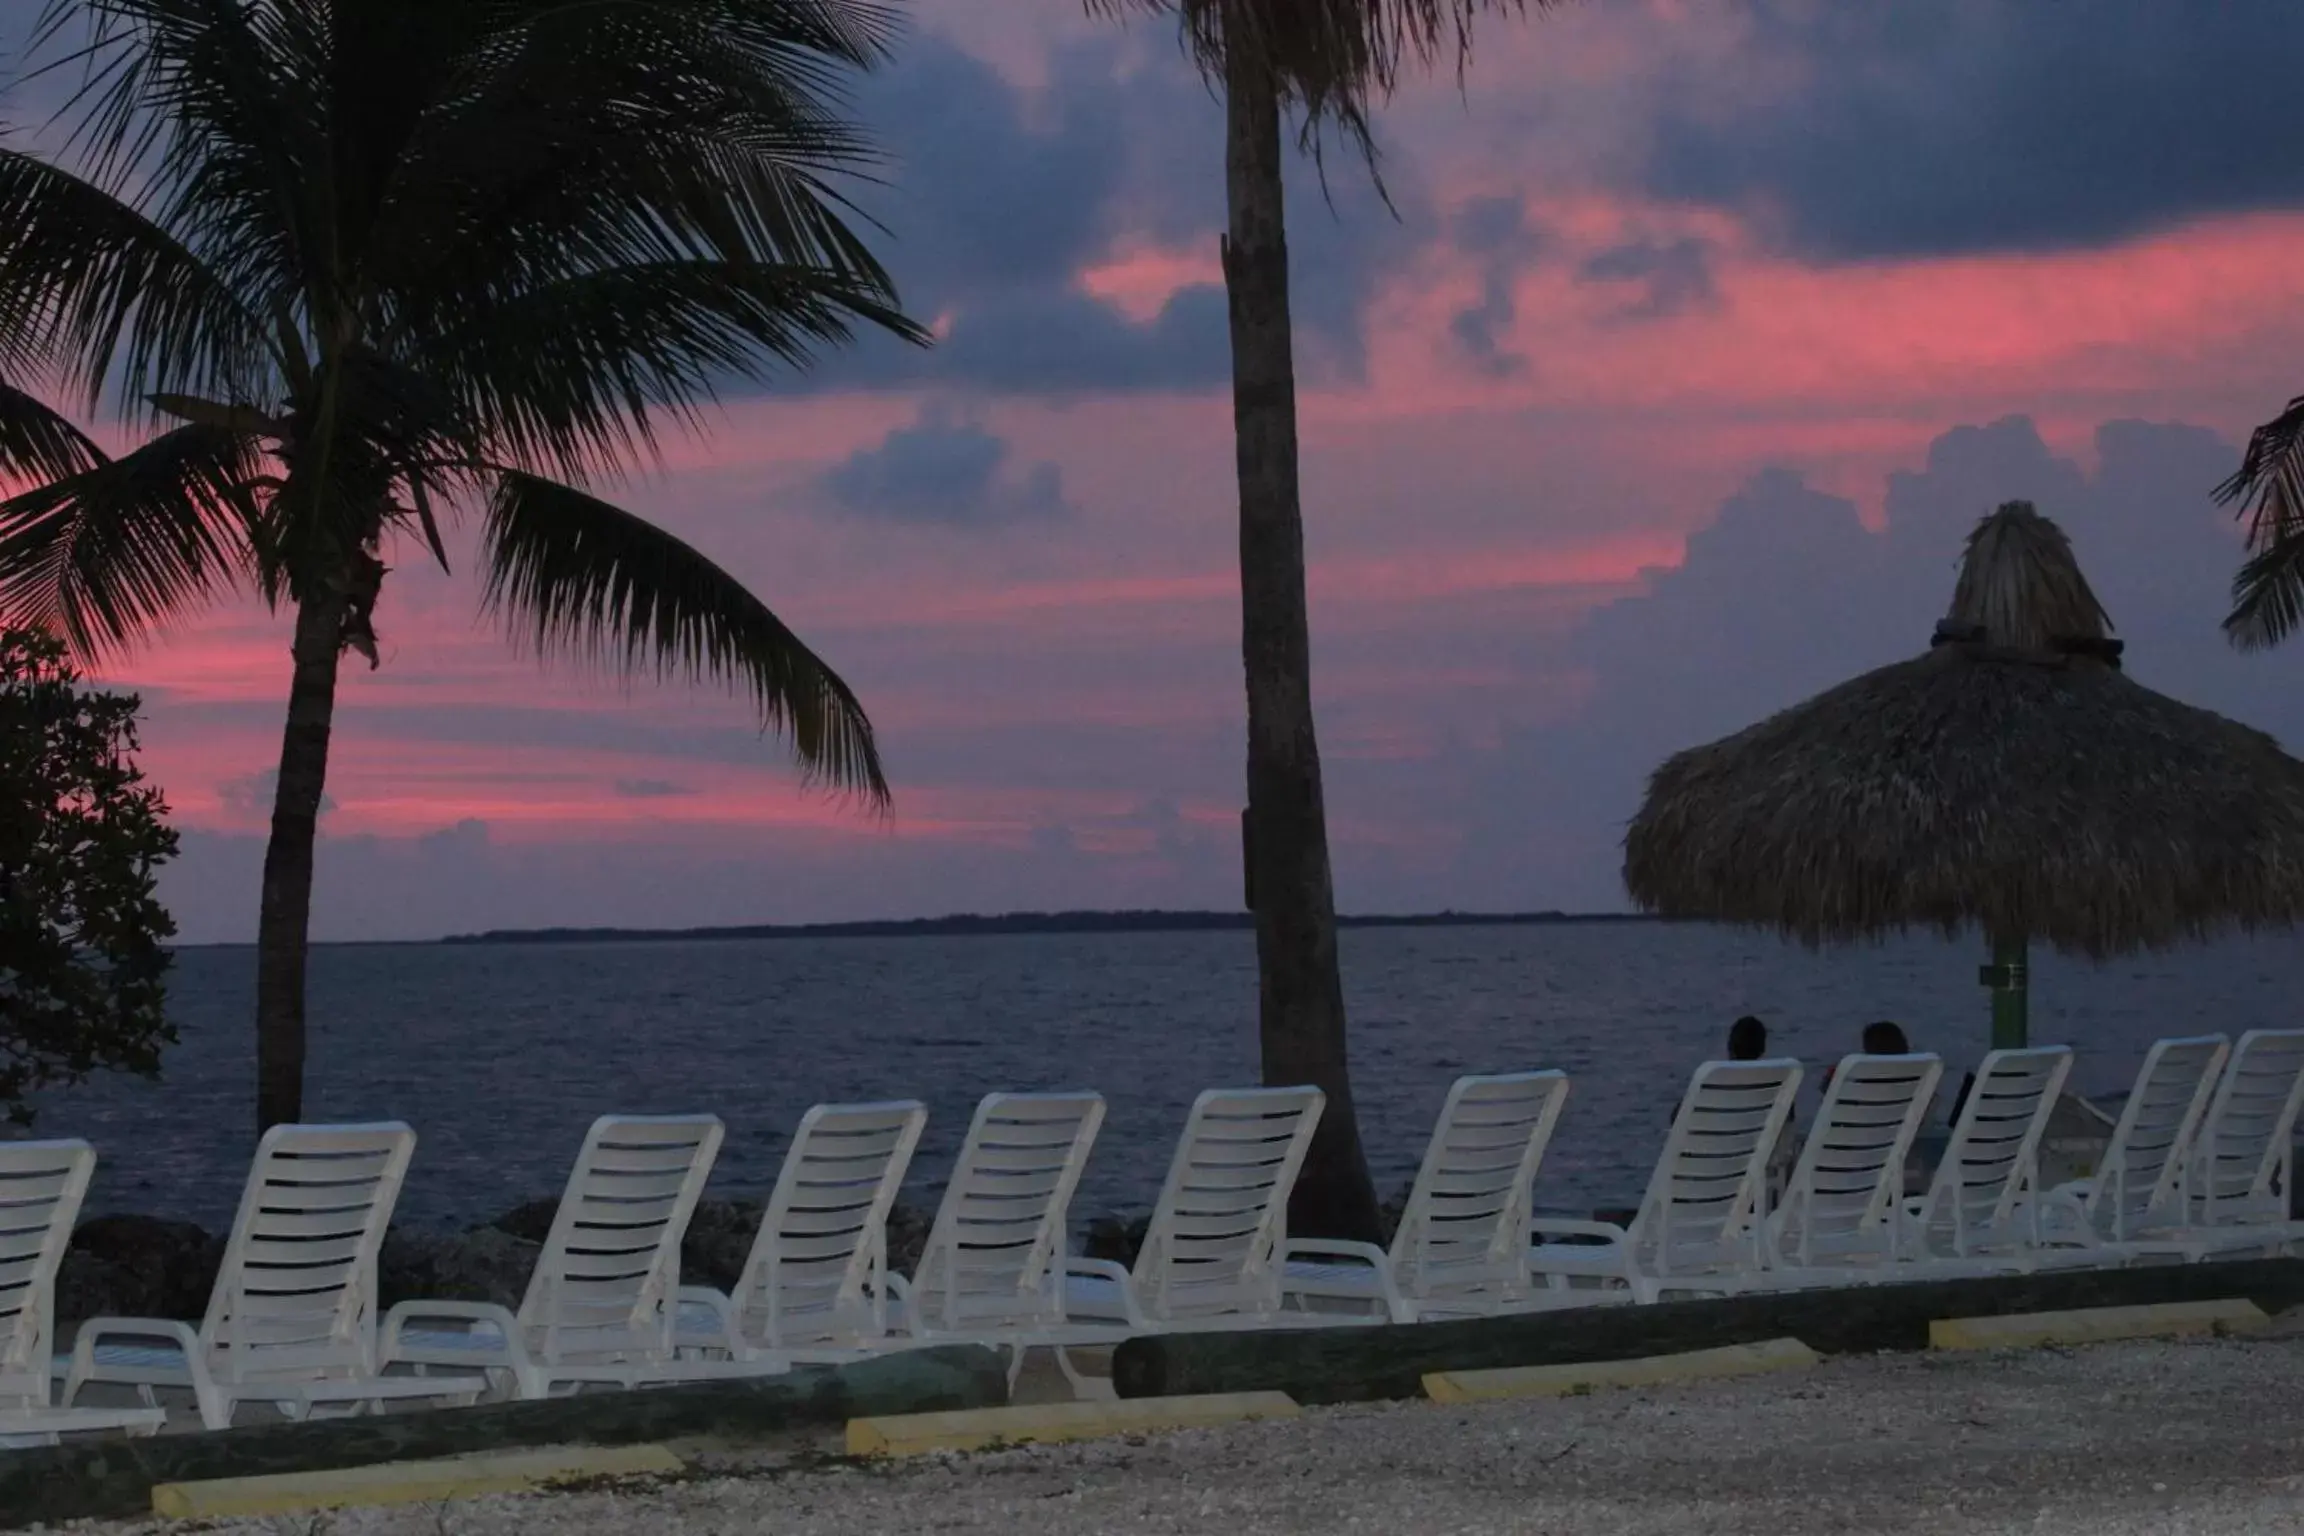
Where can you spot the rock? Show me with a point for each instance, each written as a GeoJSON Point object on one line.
{"type": "Point", "coordinates": [137, 1266]}
{"type": "Point", "coordinates": [908, 1229]}
{"type": "Point", "coordinates": [719, 1240]}
{"type": "Point", "coordinates": [1115, 1239]}
{"type": "Point", "coordinates": [484, 1264]}
{"type": "Point", "coordinates": [531, 1219]}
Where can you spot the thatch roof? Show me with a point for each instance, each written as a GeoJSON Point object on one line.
{"type": "Point", "coordinates": [2011, 780]}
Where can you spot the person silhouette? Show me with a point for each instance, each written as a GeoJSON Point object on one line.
{"type": "Point", "coordinates": [1886, 1038]}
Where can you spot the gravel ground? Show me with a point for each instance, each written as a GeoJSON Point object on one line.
{"type": "Point", "coordinates": [2195, 1438]}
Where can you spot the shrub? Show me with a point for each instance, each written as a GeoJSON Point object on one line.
{"type": "Point", "coordinates": [83, 943]}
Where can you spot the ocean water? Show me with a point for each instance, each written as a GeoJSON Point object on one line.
{"type": "Point", "coordinates": [501, 1055]}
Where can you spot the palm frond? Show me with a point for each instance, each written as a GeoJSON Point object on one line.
{"type": "Point", "coordinates": [624, 134]}
{"type": "Point", "coordinates": [90, 286]}
{"type": "Point", "coordinates": [2268, 592]}
{"type": "Point", "coordinates": [37, 444]}
{"type": "Point", "coordinates": [1334, 60]}
{"type": "Point", "coordinates": [560, 373]}
{"type": "Point", "coordinates": [103, 555]}
{"type": "Point", "coordinates": [219, 109]}
{"type": "Point", "coordinates": [576, 576]}
{"type": "Point", "coordinates": [2267, 595]}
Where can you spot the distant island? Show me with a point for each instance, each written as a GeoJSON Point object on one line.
{"type": "Point", "coordinates": [978, 925]}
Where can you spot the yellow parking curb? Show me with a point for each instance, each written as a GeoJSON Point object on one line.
{"type": "Point", "coordinates": [1649, 1371]}
{"type": "Point", "coordinates": [405, 1482]}
{"type": "Point", "coordinates": [2096, 1325]}
{"type": "Point", "coordinates": [913, 1434]}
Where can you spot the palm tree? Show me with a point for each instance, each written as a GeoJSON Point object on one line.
{"type": "Point", "coordinates": [2268, 593]}
{"type": "Point", "coordinates": [367, 265]}
{"type": "Point", "coordinates": [1330, 61]}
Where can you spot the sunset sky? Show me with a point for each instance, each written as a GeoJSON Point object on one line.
{"type": "Point", "coordinates": [1704, 331]}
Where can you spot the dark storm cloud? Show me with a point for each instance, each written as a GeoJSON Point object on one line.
{"type": "Point", "coordinates": [999, 199]}
{"type": "Point", "coordinates": [1495, 232]}
{"type": "Point", "coordinates": [1662, 278]}
{"type": "Point", "coordinates": [944, 470]}
{"type": "Point", "coordinates": [1989, 125]}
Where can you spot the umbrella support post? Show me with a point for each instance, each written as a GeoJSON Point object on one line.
{"type": "Point", "coordinates": [2009, 978]}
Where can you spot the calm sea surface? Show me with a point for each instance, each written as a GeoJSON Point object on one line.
{"type": "Point", "coordinates": [500, 1056]}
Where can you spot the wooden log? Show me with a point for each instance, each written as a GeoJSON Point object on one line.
{"type": "Point", "coordinates": [1368, 1364]}
{"type": "Point", "coordinates": [114, 1478]}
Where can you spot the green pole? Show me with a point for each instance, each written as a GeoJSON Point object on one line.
{"type": "Point", "coordinates": [2007, 977]}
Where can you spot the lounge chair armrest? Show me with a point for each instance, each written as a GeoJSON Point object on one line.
{"type": "Point", "coordinates": [1564, 1227]}
{"type": "Point", "coordinates": [1123, 1283]}
{"type": "Point", "coordinates": [1098, 1269]}
{"type": "Point", "coordinates": [94, 1332]}
{"type": "Point", "coordinates": [388, 1348]}
{"type": "Point", "coordinates": [100, 1330]}
{"type": "Point", "coordinates": [1375, 1260]}
{"type": "Point", "coordinates": [716, 1301]}
{"type": "Point", "coordinates": [97, 1329]}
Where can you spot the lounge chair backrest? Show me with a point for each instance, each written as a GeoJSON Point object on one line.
{"type": "Point", "coordinates": [41, 1186]}
{"type": "Point", "coordinates": [1842, 1199]}
{"type": "Point", "coordinates": [1708, 1195]}
{"type": "Point", "coordinates": [296, 1293]}
{"type": "Point", "coordinates": [2140, 1183]}
{"type": "Point", "coordinates": [604, 1284]}
{"type": "Point", "coordinates": [2239, 1170]}
{"type": "Point", "coordinates": [996, 1251]}
{"type": "Point", "coordinates": [1465, 1226]}
{"type": "Point", "coordinates": [818, 1270]}
{"type": "Point", "coordinates": [1977, 1201]}
{"type": "Point", "coordinates": [1213, 1242]}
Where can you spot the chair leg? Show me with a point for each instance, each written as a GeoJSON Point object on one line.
{"type": "Point", "coordinates": [1084, 1388]}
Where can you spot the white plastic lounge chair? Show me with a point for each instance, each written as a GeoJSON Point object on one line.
{"type": "Point", "coordinates": [1981, 1214]}
{"type": "Point", "coordinates": [1211, 1254]}
{"type": "Point", "coordinates": [1698, 1228]}
{"type": "Point", "coordinates": [599, 1306]}
{"type": "Point", "coordinates": [1840, 1220]}
{"type": "Point", "coordinates": [292, 1320]}
{"type": "Point", "coordinates": [992, 1270]}
{"type": "Point", "coordinates": [2238, 1169]}
{"type": "Point", "coordinates": [2134, 1203]}
{"type": "Point", "coordinates": [41, 1187]}
{"type": "Point", "coordinates": [1462, 1244]}
{"type": "Point", "coordinates": [815, 1285]}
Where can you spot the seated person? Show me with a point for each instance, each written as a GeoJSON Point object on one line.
{"type": "Point", "coordinates": [1886, 1038]}
{"type": "Point", "coordinates": [1748, 1041]}
{"type": "Point", "coordinates": [1882, 1037]}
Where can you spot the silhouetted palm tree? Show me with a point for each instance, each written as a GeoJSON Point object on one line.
{"type": "Point", "coordinates": [1329, 61]}
{"type": "Point", "coordinates": [2268, 593]}
{"type": "Point", "coordinates": [364, 264]}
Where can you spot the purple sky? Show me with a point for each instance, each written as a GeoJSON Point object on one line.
{"type": "Point", "coordinates": [1704, 333]}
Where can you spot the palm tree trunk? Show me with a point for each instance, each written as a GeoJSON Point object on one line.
{"type": "Point", "coordinates": [282, 931]}
{"type": "Point", "coordinates": [1301, 1009]}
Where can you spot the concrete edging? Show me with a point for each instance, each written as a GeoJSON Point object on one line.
{"type": "Point", "coordinates": [406, 1482]}
{"type": "Point", "coordinates": [2098, 1325]}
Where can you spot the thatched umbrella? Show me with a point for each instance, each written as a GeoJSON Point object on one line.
{"type": "Point", "coordinates": [2011, 780]}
